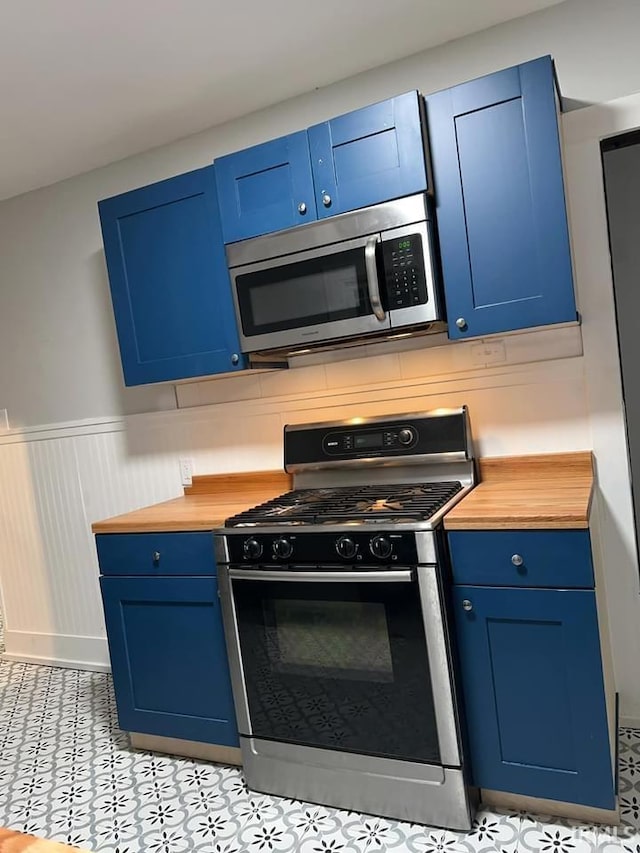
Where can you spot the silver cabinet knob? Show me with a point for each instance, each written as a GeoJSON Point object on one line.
{"type": "Point", "coordinates": [517, 560]}
{"type": "Point", "coordinates": [302, 208]}
{"type": "Point", "coordinates": [326, 199]}
{"type": "Point", "coordinates": [156, 557]}
{"type": "Point", "coordinates": [235, 358]}
{"type": "Point", "coordinates": [461, 323]}
{"type": "Point", "coordinates": [467, 605]}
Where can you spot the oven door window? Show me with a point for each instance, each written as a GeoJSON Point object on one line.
{"type": "Point", "coordinates": [309, 292]}
{"type": "Point", "coordinates": [338, 665]}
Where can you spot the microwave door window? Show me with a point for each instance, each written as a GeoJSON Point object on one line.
{"type": "Point", "coordinates": [318, 293]}
{"type": "Point", "coordinates": [305, 293]}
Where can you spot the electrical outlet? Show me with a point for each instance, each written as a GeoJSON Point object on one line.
{"type": "Point", "coordinates": [488, 352]}
{"type": "Point", "coordinates": [186, 471]}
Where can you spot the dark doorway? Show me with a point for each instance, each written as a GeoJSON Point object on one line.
{"type": "Point", "coordinates": [621, 166]}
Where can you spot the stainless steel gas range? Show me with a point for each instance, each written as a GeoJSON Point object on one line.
{"type": "Point", "coordinates": [334, 605]}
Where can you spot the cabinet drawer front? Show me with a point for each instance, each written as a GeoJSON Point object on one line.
{"type": "Point", "coordinates": [550, 558]}
{"type": "Point", "coordinates": [156, 553]}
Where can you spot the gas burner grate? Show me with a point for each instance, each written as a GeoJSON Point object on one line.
{"type": "Point", "coordinates": [390, 503]}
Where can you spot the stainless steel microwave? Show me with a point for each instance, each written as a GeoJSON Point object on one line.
{"type": "Point", "coordinates": [370, 272]}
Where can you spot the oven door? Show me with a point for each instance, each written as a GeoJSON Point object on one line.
{"type": "Point", "coordinates": [311, 296]}
{"type": "Point", "coordinates": [344, 660]}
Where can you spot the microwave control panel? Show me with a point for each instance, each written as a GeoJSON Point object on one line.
{"type": "Point", "coordinates": [403, 259]}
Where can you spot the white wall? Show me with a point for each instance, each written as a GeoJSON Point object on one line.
{"type": "Point", "coordinates": [59, 361]}
{"type": "Point", "coordinates": [55, 482]}
{"type": "Point", "coordinates": [58, 353]}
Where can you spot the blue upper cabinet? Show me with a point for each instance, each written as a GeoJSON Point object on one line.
{"type": "Point", "coordinates": [500, 202]}
{"type": "Point", "coordinates": [534, 694]}
{"type": "Point", "coordinates": [266, 188]}
{"type": "Point", "coordinates": [370, 155]}
{"type": "Point", "coordinates": [169, 281]}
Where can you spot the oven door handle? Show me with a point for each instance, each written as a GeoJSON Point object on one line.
{"type": "Point", "coordinates": [400, 576]}
{"type": "Point", "coordinates": [373, 285]}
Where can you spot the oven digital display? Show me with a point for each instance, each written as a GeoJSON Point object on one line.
{"type": "Point", "coordinates": [368, 440]}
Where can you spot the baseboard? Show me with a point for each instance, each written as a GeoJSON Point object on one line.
{"type": "Point", "coordinates": [536, 805]}
{"type": "Point", "coordinates": [189, 748]}
{"type": "Point", "coordinates": [629, 722]}
{"type": "Point", "coordinates": [64, 650]}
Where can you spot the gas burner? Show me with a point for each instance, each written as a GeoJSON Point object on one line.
{"type": "Point", "coordinates": [379, 505]}
{"type": "Point", "coordinates": [351, 505]}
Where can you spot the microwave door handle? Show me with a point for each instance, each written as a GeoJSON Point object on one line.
{"type": "Point", "coordinates": [373, 285]}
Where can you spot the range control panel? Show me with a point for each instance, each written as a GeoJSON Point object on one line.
{"type": "Point", "coordinates": [445, 431]}
{"type": "Point", "coordinates": [385, 547]}
{"type": "Point", "coordinates": [348, 441]}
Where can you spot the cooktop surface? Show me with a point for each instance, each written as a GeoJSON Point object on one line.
{"type": "Point", "coordinates": [391, 504]}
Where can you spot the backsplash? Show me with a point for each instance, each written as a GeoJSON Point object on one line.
{"type": "Point", "coordinates": [55, 481]}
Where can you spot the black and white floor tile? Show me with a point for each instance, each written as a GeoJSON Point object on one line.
{"type": "Point", "coordinates": [67, 773]}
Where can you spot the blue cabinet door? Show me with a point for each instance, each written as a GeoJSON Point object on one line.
{"type": "Point", "coordinates": [500, 202]}
{"type": "Point", "coordinates": [169, 281]}
{"type": "Point", "coordinates": [534, 693]}
{"type": "Point", "coordinates": [370, 155]}
{"type": "Point", "coordinates": [168, 658]}
{"type": "Point", "coordinates": [266, 188]}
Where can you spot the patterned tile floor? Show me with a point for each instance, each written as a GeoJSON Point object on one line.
{"type": "Point", "coordinates": [67, 773]}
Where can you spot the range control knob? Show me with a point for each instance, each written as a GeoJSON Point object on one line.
{"type": "Point", "coordinates": [346, 547]}
{"type": "Point", "coordinates": [406, 436]}
{"type": "Point", "coordinates": [282, 548]}
{"type": "Point", "coordinates": [380, 547]}
{"type": "Point", "coordinates": [252, 549]}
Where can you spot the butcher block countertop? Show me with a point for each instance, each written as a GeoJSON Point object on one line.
{"type": "Point", "coordinates": [517, 492]}
{"type": "Point", "coordinates": [535, 492]}
{"type": "Point", "coordinates": [205, 505]}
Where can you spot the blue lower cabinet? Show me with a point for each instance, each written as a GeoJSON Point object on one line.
{"type": "Point", "coordinates": [534, 693]}
{"type": "Point", "coordinates": [168, 657]}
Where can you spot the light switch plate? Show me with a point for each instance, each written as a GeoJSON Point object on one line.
{"type": "Point", "coordinates": [4, 420]}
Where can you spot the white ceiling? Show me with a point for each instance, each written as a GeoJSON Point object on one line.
{"type": "Point", "coordinates": [87, 82]}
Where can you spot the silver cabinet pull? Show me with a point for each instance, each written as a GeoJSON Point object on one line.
{"type": "Point", "coordinates": [467, 605]}
{"type": "Point", "coordinates": [156, 557]}
{"type": "Point", "coordinates": [461, 323]}
{"type": "Point", "coordinates": [235, 358]}
{"type": "Point", "coordinates": [517, 560]}
{"type": "Point", "coordinates": [302, 208]}
{"type": "Point", "coordinates": [373, 286]}
{"type": "Point", "coordinates": [326, 199]}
